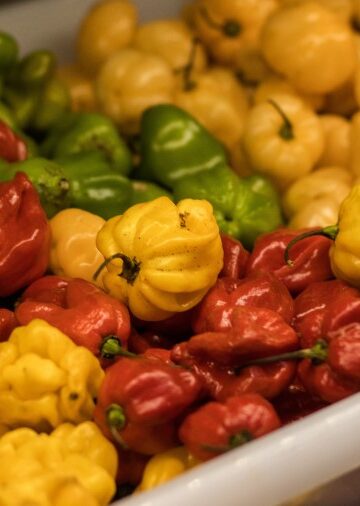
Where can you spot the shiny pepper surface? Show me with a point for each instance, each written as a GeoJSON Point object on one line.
{"type": "Point", "coordinates": [24, 235]}
{"type": "Point", "coordinates": [161, 258]}
{"type": "Point", "coordinates": [71, 465]}
{"type": "Point", "coordinates": [46, 379]}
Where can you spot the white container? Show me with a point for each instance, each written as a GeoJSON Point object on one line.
{"type": "Point", "coordinates": [281, 468]}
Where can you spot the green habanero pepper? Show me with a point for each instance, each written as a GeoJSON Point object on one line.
{"type": "Point", "coordinates": [174, 145]}
{"type": "Point", "coordinates": [145, 191]}
{"type": "Point", "coordinates": [9, 51]}
{"type": "Point", "coordinates": [53, 102]}
{"type": "Point", "coordinates": [244, 207]}
{"type": "Point", "coordinates": [87, 131]}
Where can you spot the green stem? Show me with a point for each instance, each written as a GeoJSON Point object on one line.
{"type": "Point", "coordinates": [286, 130]}
{"type": "Point", "coordinates": [116, 421]}
{"type": "Point", "coordinates": [130, 267]}
{"type": "Point", "coordinates": [330, 232]}
{"type": "Point", "coordinates": [111, 347]}
{"type": "Point", "coordinates": [230, 28]}
{"type": "Point", "coordinates": [242, 437]}
{"type": "Point", "coordinates": [190, 84]}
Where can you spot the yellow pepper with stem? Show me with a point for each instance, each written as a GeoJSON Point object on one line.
{"type": "Point", "coordinates": [161, 258]}
{"type": "Point", "coordinates": [45, 379]}
{"type": "Point", "coordinates": [72, 464]}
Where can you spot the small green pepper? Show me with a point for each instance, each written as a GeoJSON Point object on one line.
{"type": "Point", "coordinates": [35, 69]}
{"type": "Point", "coordinates": [22, 103]}
{"type": "Point", "coordinates": [53, 102]}
{"type": "Point", "coordinates": [174, 145]}
{"type": "Point", "coordinates": [144, 191]}
{"type": "Point", "coordinates": [9, 51]}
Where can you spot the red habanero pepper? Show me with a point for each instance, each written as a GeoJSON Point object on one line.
{"type": "Point", "coordinates": [235, 258]}
{"type": "Point", "coordinates": [260, 289]}
{"type": "Point", "coordinates": [309, 258]}
{"type": "Point", "coordinates": [78, 308]}
{"type": "Point", "coordinates": [7, 323]}
{"type": "Point", "coordinates": [24, 235]}
{"type": "Point", "coordinates": [255, 332]}
{"type": "Point", "coordinates": [218, 427]}
{"type": "Point", "coordinates": [12, 147]}
{"type": "Point", "coordinates": [131, 467]}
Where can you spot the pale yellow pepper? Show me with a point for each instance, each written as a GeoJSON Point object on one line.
{"type": "Point", "coordinates": [45, 379]}
{"type": "Point", "coordinates": [321, 212]}
{"type": "Point", "coordinates": [129, 82]}
{"type": "Point", "coordinates": [80, 87]}
{"type": "Point", "coordinates": [283, 139]}
{"type": "Point", "coordinates": [166, 466]}
{"type": "Point", "coordinates": [73, 250]}
{"type": "Point", "coordinates": [106, 28]}
{"type": "Point", "coordinates": [72, 464]}
{"type": "Point", "coordinates": [162, 258]}
{"type": "Point", "coordinates": [355, 144]}
{"type": "Point", "coordinates": [311, 46]}
{"type": "Point", "coordinates": [173, 40]}
{"type": "Point", "coordinates": [342, 8]}
{"type": "Point", "coordinates": [337, 141]}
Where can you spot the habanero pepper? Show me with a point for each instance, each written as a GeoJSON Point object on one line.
{"type": "Point", "coordinates": [12, 147]}
{"type": "Point", "coordinates": [310, 259]}
{"type": "Point", "coordinates": [218, 427]}
{"type": "Point", "coordinates": [7, 323]}
{"type": "Point", "coordinates": [235, 257]}
{"type": "Point", "coordinates": [24, 235]}
{"type": "Point", "coordinates": [76, 307]}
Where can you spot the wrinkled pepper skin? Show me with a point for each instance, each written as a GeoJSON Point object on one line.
{"type": "Point", "coordinates": [76, 307]}
{"type": "Point", "coordinates": [235, 258]}
{"type": "Point", "coordinates": [310, 259]}
{"type": "Point", "coordinates": [161, 258]}
{"type": "Point", "coordinates": [7, 323]}
{"type": "Point", "coordinates": [12, 147]}
{"type": "Point", "coordinates": [174, 145]}
{"type": "Point", "coordinates": [218, 427]}
{"type": "Point", "coordinates": [24, 235]}
{"type": "Point", "coordinates": [73, 463]}
{"type": "Point", "coordinates": [46, 379]}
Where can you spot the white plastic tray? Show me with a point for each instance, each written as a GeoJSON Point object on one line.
{"type": "Point", "coordinates": [280, 467]}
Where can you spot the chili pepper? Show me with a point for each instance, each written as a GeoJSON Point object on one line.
{"type": "Point", "coordinates": [168, 153]}
{"type": "Point", "coordinates": [88, 131]}
{"type": "Point", "coordinates": [83, 312]}
{"type": "Point", "coordinates": [33, 70]}
{"type": "Point", "coordinates": [255, 332]}
{"type": "Point", "coordinates": [144, 191]}
{"type": "Point", "coordinates": [131, 467]}
{"type": "Point", "coordinates": [79, 86]}
{"type": "Point", "coordinates": [310, 259]}
{"type": "Point", "coordinates": [326, 38]}
{"type": "Point", "coordinates": [12, 147]}
{"type": "Point", "coordinates": [9, 51]}
{"type": "Point", "coordinates": [259, 289]}
{"type": "Point", "coordinates": [243, 207]}
{"type": "Point", "coordinates": [7, 323]}
{"type": "Point", "coordinates": [47, 379]}
{"type": "Point", "coordinates": [24, 235]}
{"type": "Point", "coordinates": [354, 139]}
{"type": "Point", "coordinates": [235, 258]}
{"type": "Point", "coordinates": [54, 101]}
{"type": "Point", "coordinates": [150, 251]}
{"type": "Point", "coordinates": [70, 464]}
{"type": "Point", "coordinates": [130, 82]}
{"type": "Point", "coordinates": [343, 252]}
{"type": "Point", "coordinates": [283, 139]}
{"type": "Point", "coordinates": [337, 141]}
{"type": "Point", "coordinates": [218, 427]}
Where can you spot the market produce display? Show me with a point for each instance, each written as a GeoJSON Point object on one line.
{"type": "Point", "coordinates": [179, 265]}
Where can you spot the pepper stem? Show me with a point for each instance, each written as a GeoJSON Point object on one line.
{"type": "Point", "coordinates": [111, 347]}
{"type": "Point", "coordinates": [286, 130]}
{"type": "Point", "coordinates": [230, 27]}
{"type": "Point", "coordinates": [186, 70]}
{"type": "Point", "coordinates": [116, 421]}
{"type": "Point", "coordinates": [130, 268]}
{"type": "Point", "coordinates": [330, 232]}
{"type": "Point", "coordinates": [242, 437]}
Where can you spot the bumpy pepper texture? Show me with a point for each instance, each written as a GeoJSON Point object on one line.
{"type": "Point", "coordinates": [24, 235]}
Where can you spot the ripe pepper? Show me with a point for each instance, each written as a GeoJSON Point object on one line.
{"type": "Point", "coordinates": [73, 463]}
{"type": "Point", "coordinates": [7, 323]}
{"type": "Point", "coordinates": [79, 132]}
{"type": "Point", "coordinates": [243, 207]}
{"type": "Point", "coordinates": [46, 379]}
{"type": "Point", "coordinates": [79, 86]}
{"type": "Point", "coordinates": [12, 147]}
{"type": "Point", "coordinates": [161, 258]}
{"type": "Point", "coordinates": [337, 130]}
{"type": "Point", "coordinates": [144, 191]}
{"type": "Point", "coordinates": [139, 401]}
{"type": "Point", "coordinates": [218, 427]}
{"type": "Point", "coordinates": [235, 258]}
{"type": "Point", "coordinates": [24, 235]}
{"type": "Point", "coordinates": [310, 259]}
{"type": "Point", "coordinates": [168, 153]}
{"type": "Point", "coordinates": [73, 244]}
{"type": "Point", "coordinates": [259, 289]}
{"type": "Point", "coordinates": [76, 307]}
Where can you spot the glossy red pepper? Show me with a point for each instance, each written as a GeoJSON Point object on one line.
{"type": "Point", "coordinates": [7, 323]}
{"type": "Point", "coordinates": [12, 147]}
{"type": "Point", "coordinates": [310, 258]}
{"type": "Point", "coordinates": [24, 235]}
{"type": "Point", "coordinates": [78, 308]}
{"type": "Point", "coordinates": [260, 289]}
{"type": "Point", "coordinates": [218, 427]}
{"type": "Point", "coordinates": [235, 258]}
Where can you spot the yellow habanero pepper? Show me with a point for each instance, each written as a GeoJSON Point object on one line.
{"type": "Point", "coordinates": [166, 466]}
{"type": "Point", "coordinates": [355, 144]}
{"type": "Point", "coordinates": [45, 379]}
{"type": "Point", "coordinates": [310, 45]}
{"type": "Point", "coordinates": [72, 463]}
{"type": "Point", "coordinates": [107, 27]}
{"type": "Point", "coordinates": [129, 82]}
{"type": "Point", "coordinates": [73, 250]}
{"type": "Point", "coordinates": [161, 258]}
{"type": "Point", "coordinates": [283, 138]}
{"type": "Point", "coordinates": [337, 141]}
{"type": "Point", "coordinates": [80, 87]}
